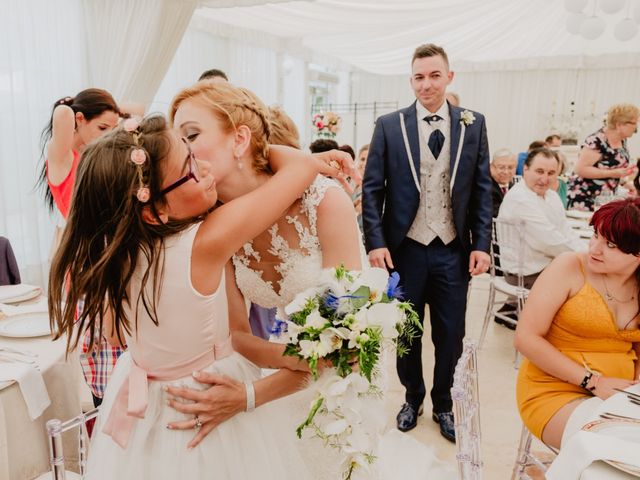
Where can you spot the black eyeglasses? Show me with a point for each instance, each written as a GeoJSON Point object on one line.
{"type": "Point", "coordinates": [193, 172]}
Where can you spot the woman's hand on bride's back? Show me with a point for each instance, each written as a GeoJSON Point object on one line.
{"type": "Point", "coordinates": [224, 399]}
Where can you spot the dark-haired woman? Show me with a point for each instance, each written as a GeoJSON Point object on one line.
{"type": "Point", "coordinates": [75, 122]}
{"type": "Point", "coordinates": [579, 329]}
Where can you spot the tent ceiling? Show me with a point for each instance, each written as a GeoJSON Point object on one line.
{"type": "Point", "coordinates": [379, 36]}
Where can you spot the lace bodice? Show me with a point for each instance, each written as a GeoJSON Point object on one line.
{"type": "Point", "coordinates": [287, 258]}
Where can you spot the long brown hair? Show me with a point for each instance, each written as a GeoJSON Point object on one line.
{"type": "Point", "coordinates": [106, 234]}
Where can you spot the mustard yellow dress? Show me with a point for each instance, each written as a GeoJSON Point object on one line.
{"type": "Point", "coordinates": [584, 329]}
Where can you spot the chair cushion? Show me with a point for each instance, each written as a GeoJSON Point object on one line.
{"type": "Point", "coordinates": [501, 285]}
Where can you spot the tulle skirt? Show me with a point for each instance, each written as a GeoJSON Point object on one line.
{"type": "Point", "coordinates": [258, 445]}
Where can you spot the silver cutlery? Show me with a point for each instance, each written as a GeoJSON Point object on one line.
{"type": "Point", "coordinates": [629, 394]}
{"type": "Point", "coordinates": [615, 416]}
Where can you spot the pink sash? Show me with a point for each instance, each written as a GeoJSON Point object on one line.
{"type": "Point", "coordinates": [131, 400]}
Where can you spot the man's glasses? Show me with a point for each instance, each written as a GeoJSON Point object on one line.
{"type": "Point", "coordinates": [193, 172]}
{"type": "Point", "coordinates": [505, 168]}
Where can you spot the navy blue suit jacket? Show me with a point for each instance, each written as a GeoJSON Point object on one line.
{"type": "Point", "coordinates": [390, 198]}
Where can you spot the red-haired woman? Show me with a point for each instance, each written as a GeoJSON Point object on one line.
{"type": "Point", "coordinates": [579, 329]}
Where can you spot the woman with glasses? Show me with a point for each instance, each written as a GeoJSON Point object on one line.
{"type": "Point", "coordinates": [144, 249]}
{"type": "Point", "coordinates": [319, 230]}
{"type": "Point", "coordinates": [604, 159]}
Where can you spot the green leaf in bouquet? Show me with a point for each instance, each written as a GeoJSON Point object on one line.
{"type": "Point", "coordinates": [341, 362]}
{"type": "Point", "coordinates": [300, 317]}
{"type": "Point", "coordinates": [312, 413]}
{"type": "Point", "coordinates": [409, 329]}
{"type": "Point", "coordinates": [370, 352]}
{"type": "Point", "coordinates": [360, 297]}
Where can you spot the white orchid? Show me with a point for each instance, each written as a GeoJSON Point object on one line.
{"type": "Point", "coordinates": [376, 279]}
{"type": "Point", "coordinates": [301, 299]}
{"type": "Point", "coordinates": [316, 321]}
{"type": "Point", "coordinates": [387, 317]}
{"type": "Point", "coordinates": [332, 338]}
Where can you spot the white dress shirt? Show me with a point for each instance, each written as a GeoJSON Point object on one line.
{"type": "Point", "coordinates": [443, 125]}
{"type": "Point", "coordinates": [547, 232]}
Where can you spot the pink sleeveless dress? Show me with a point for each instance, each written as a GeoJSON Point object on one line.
{"type": "Point", "coordinates": [62, 192]}
{"type": "Point", "coordinates": [131, 440]}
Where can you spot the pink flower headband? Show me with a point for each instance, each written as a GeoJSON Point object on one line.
{"type": "Point", "coordinates": [138, 157]}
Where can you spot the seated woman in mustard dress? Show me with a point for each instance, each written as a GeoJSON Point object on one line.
{"type": "Point", "coordinates": [579, 329]}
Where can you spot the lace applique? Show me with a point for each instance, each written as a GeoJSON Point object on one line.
{"type": "Point", "coordinates": [296, 266]}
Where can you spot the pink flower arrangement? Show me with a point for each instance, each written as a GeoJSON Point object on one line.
{"type": "Point", "coordinates": [143, 194]}
{"type": "Point", "coordinates": [138, 156]}
{"type": "Point", "coordinates": [326, 124]}
{"type": "Point", "coordinates": [131, 124]}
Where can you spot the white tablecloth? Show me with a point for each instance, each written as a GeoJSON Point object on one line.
{"type": "Point", "coordinates": [573, 453]}
{"type": "Point", "coordinates": [24, 448]}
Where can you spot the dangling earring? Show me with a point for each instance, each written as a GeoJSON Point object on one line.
{"type": "Point", "coordinates": [239, 163]}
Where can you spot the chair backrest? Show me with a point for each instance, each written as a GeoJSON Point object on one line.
{"type": "Point", "coordinates": [55, 429]}
{"type": "Point", "coordinates": [508, 248]}
{"type": "Point", "coordinates": [466, 411]}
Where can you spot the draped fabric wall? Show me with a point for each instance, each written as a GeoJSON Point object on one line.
{"type": "Point", "coordinates": [49, 50]}
{"type": "Point", "coordinates": [42, 58]}
{"type": "Point", "coordinates": [131, 44]}
{"type": "Point", "coordinates": [246, 65]}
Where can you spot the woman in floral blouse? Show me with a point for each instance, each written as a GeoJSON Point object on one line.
{"type": "Point", "coordinates": [604, 158]}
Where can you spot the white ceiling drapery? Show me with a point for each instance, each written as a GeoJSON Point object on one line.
{"type": "Point", "coordinates": [379, 36]}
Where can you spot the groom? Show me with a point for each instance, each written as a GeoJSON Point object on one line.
{"type": "Point", "coordinates": [427, 214]}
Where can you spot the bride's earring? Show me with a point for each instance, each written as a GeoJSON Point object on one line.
{"type": "Point", "coordinates": [239, 162]}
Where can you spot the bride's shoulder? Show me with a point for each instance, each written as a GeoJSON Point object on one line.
{"type": "Point", "coordinates": [316, 192]}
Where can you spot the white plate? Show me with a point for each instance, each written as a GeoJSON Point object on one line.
{"type": "Point", "coordinates": [578, 214]}
{"type": "Point", "coordinates": [18, 293]}
{"type": "Point", "coordinates": [623, 429]}
{"type": "Point", "coordinates": [26, 325]}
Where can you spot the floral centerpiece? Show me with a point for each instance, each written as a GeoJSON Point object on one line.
{"type": "Point", "coordinates": [344, 322]}
{"type": "Point", "coordinates": [326, 125]}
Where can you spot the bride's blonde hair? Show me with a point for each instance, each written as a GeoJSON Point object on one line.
{"type": "Point", "coordinates": [233, 106]}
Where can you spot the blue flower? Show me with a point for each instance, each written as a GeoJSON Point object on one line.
{"type": "Point", "coordinates": [331, 302]}
{"type": "Point", "coordinates": [393, 288]}
{"type": "Point", "coordinates": [278, 327]}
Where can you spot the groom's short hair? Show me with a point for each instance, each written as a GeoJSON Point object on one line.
{"type": "Point", "coordinates": [430, 50]}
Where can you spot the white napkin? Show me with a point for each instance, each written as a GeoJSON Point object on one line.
{"type": "Point", "coordinates": [38, 307]}
{"type": "Point", "coordinates": [586, 447]}
{"type": "Point", "coordinates": [10, 292]}
{"type": "Point", "coordinates": [31, 385]}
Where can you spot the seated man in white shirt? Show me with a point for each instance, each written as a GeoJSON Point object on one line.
{"type": "Point", "coordinates": [547, 232]}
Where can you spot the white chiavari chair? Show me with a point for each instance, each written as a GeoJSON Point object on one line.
{"type": "Point", "coordinates": [466, 412]}
{"type": "Point", "coordinates": [55, 429]}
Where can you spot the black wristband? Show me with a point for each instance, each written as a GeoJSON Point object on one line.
{"type": "Point", "coordinates": [585, 380]}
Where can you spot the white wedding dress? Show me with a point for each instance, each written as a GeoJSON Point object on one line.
{"type": "Point", "coordinates": [291, 261]}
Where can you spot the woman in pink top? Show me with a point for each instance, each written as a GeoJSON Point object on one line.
{"type": "Point", "coordinates": [141, 234]}
{"type": "Point", "coordinates": [75, 122]}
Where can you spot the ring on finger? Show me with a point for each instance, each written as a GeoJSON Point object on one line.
{"type": "Point", "coordinates": [198, 423]}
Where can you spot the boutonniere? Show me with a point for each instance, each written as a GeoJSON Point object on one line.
{"type": "Point", "coordinates": [467, 117]}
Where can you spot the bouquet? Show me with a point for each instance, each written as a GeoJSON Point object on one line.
{"type": "Point", "coordinates": [326, 124]}
{"type": "Point", "coordinates": [345, 322]}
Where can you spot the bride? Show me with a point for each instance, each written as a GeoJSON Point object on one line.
{"type": "Point", "coordinates": [317, 231]}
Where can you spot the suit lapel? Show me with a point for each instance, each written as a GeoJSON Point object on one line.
{"type": "Point", "coordinates": [454, 115]}
{"type": "Point", "coordinates": [411, 123]}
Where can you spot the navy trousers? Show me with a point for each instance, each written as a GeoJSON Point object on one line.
{"type": "Point", "coordinates": [437, 275]}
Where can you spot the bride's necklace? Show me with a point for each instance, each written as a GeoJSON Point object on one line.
{"type": "Point", "coordinates": [610, 297]}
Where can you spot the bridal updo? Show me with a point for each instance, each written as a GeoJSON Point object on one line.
{"type": "Point", "coordinates": [233, 106]}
